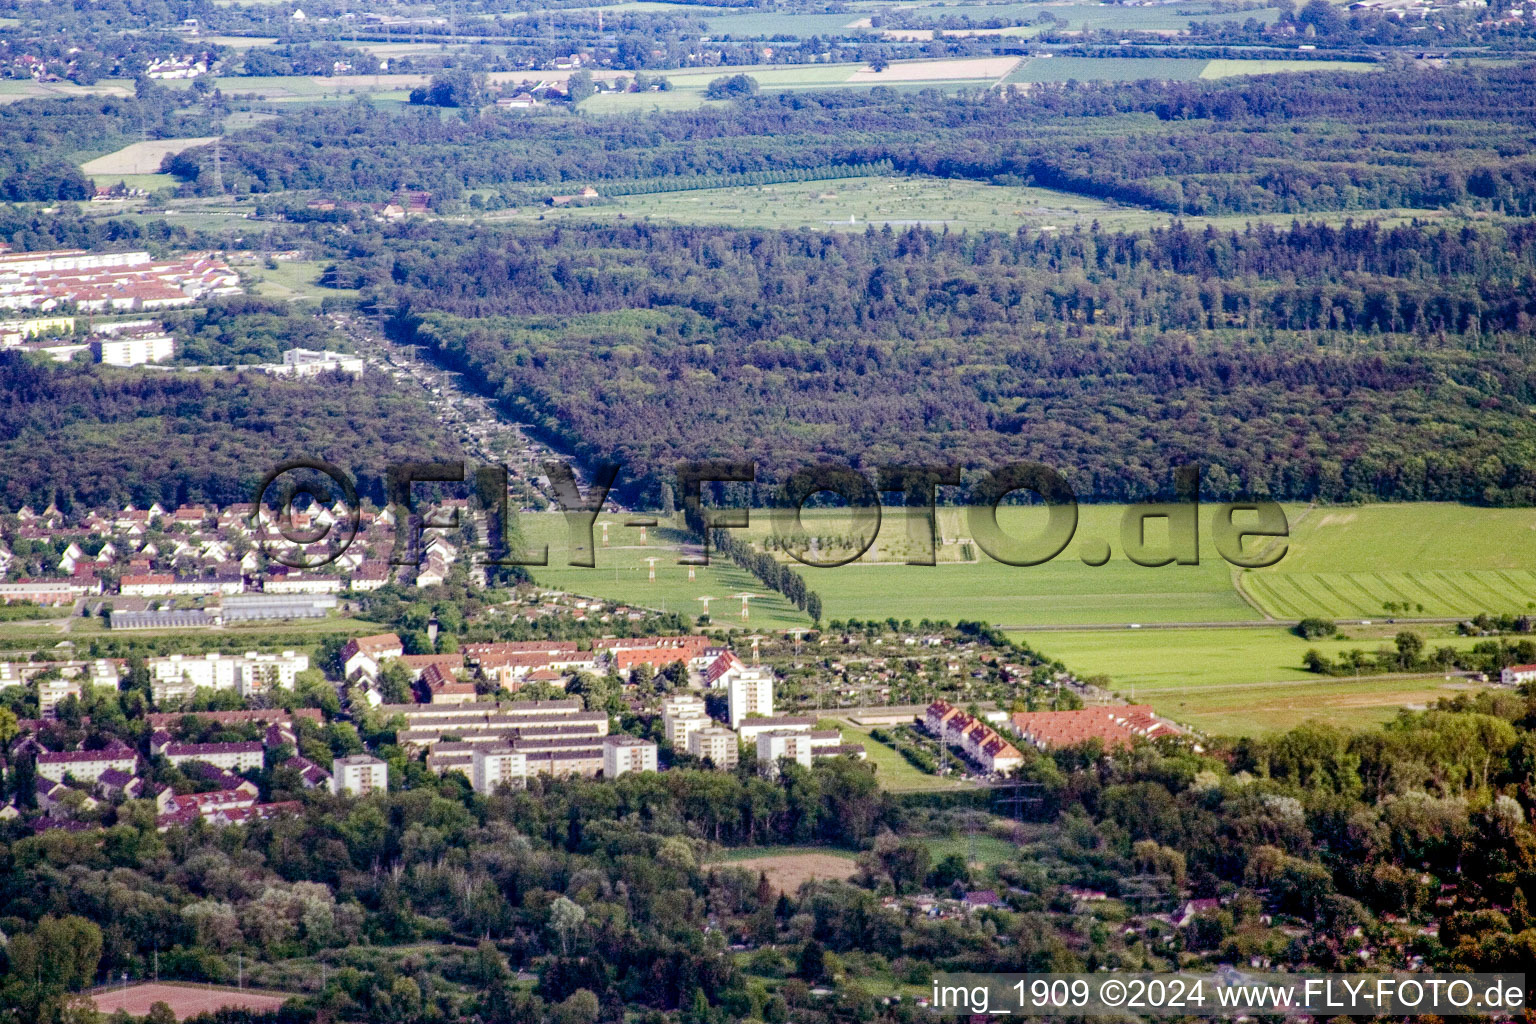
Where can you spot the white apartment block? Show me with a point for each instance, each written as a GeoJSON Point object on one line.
{"type": "Point", "coordinates": [622, 754]}
{"type": "Point", "coordinates": [771, 746]}
{"type": "Point", "coordinates": [53, 692]}
{"type": "Point", "coordinates": [751, 728]}
{"type": "Point", "coordinates": [359, 775]}
{"type": "Point", "coordinates": [251, 673]}
{"type": "Point", "coordinates": [308, 362]}
{"type": "Point", "coordinates": [681, 716]}
{"type": "Point", "coordinates": [134, 349]}
{"type": "Point", "coordinates": [750, 692]}
{"type": "Point", "coordinates": [496, 767]}
{"type": "Point", "coordinates": [721, 746]}
{"type": "Point", "coordinates": [234, 757]}
{"type": "Point", "coordinates": [86, 765]}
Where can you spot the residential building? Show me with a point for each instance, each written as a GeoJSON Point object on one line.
{"type": "Point", "coordinates": [721, 747]}
{"type": "Point", "coordinates": [1514, 675]}
{"type": "Point", "coordinates": [133, 349]}
{"type": "Point", "coordinates": [775, 744]}
{"type": "Point", "coordinates": [359, 775]}
{"type": "Point", "coordinates": [624, 754]}
{"type": "Point", "coordinates": [750, 693]}
{"type": "Point", "coordinates": [308, 362]}
{"type": "Point", "coordinates": [682, 715]}
{"type": "Point", "coordinates": [991, 752]}
{"type": "Point", "coordinates": [493, 767]}
{"type": "Point", "coordinates": [750, 728]}
{"type": "Point", "coordinates": [1114, 726]}
{"type": "Point", "coordinates": [363, 654]}
{"type": "Point", "coordinates": [234, 757]}
{"type": "Point", "coordinates": [251, 673]}
{"type": "Point", "coordinates": [86, 765]}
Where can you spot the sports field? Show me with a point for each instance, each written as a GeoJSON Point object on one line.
{"type": "Point", "coordinates": [1371, 562]}
{"type": "Point", "coordinates": [965, 585]}
{"type": "Point", "coordinates": [1421, 560]}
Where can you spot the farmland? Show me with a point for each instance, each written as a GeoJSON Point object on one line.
{"type": "Point", "coordinates": [786, 872]}
{"type": "Point", "coordinates": [140, 157]}
{"type": "Point", "coordinates": [184, 1000]}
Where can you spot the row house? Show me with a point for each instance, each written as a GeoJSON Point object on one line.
{"type": "Point", "coordinates": [980, 741]}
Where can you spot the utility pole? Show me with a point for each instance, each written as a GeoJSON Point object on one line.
{"type": "Point", "coordinates": [218, 160]}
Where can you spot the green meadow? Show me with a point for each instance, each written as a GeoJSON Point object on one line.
{"type": "Point", "coordinates": [1411, 561]}
{"type": "Point", "coordinates": [1370, 562]}
{"type": "Point", "coordinates": [965, 584]}
{"type": "Point", "coordinates": [1248, 681]}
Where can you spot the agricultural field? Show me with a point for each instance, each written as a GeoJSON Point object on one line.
{"type": "Point", "coordinates": [1421, 560]}
{"type": "Point", "coordinates": [1246, 681]}
{"type": "Point", "coordinates": [1177, 69]}
{"type": "Point", "coordinates": [788, 871]}
{"type": "Point", "coordinates": [185, 1000]}
{"type": "Point", "coordinates": [1229, 68]}
{"type": "Point", "coordinates": [687, 87]}
{"type": "Point", "coordinates": [1106, 69]}
{"type": "Point", "coordinates": [140, 157]}
{"type": "Point", "coordinates": [1079, 16]}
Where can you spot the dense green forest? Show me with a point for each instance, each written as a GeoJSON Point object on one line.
{"type": "Point", "coordinates": [1283, 143]}
{"type": "Point", "coordinates": [99, 438]}
{"type": "Point", "coordinates": [1305, 363]}
{"type": "Point", "coordinates": [246, 330]}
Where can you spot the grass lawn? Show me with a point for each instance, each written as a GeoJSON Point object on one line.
{"type": "Point", "coordinates": [900, 201]}
{"type": "Point", "coordinates": [147, 182]}
{"type": "Point", "coordinates": [296, 280]}
{"type": "Point", "coordinates": [622, 574]}
{"type": "Point", "coordinates": [1228, 68]}
{"type": "Point", "coordinates": [1064, 591]}
{"type": "Point", "coordinates": [980, 849]}
{"type": "Point", "coordinates": [1245, 681]}
{"type": "Point", "coordinates": [856, 203]}
{"type": "Point", "coordinates": [894, 772]}
{"type": "Point", "coordinates": [1449, 560]}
